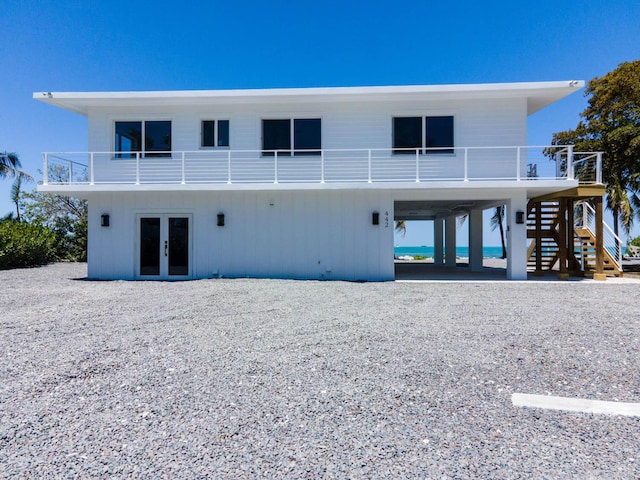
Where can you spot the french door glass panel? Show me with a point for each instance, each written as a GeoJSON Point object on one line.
{"type": "Point", "coordinates": [149, 246]}
{"type": "Point", "coordinates": [178, 248]}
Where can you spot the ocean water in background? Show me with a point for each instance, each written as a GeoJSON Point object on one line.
{"type": "Point", "coordinates": [487, 252]}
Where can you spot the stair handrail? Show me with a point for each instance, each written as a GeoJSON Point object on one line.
{"type": "Point", "coordinates": [612, 242]}
{"type": "Point", "coordinates": [587, 166]}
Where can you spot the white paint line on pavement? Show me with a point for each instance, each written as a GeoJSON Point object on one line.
{"type": "Point", "coordinates": [575, 404]}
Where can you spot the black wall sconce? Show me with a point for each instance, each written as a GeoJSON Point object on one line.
{"type": "Point", "coordinates": [104, 220]}
{"type": "Point", "coordinates": [519, 217]}
{"type": "Point", "coordinates": [375, 218]}
{"type": "Point", "coordinates": [221, 219]}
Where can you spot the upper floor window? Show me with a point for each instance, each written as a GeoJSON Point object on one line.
{"type": "Point", "coordinates": [430, 135]}
{"type": "Point", "coordinates": [215, 133]}
{"type": "Point", "coordinates": [130, 135]}
{"type": "Point", "coordinates": [303, 134]}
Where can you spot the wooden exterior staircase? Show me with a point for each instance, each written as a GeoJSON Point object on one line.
{"type": "Point", "coordinates": [585, 248]}
{"type": "Point", "coordinates": [559, 242]}
{"type": "Point", "coordinates": [546, 257]}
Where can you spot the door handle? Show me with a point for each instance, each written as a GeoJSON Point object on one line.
{"type": "Point", "coordinates": [166, 248]}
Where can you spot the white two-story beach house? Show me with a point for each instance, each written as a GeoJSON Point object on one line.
{"type": "Point", "coordinates": [306, 183]}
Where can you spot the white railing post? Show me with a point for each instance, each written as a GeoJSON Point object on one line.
{"type": "Point", "coordinates": [599, 167]}
{"type": "Point", "coordinates": [369, 165]}
{"type": "Point", "coordinates": [275, 167]}
{"type": "Point", "coordinates": [183, 170]}
{"type": "Point", "coordinates": [570, 162]}
{"type": "Point", "coordinates": [70, 172]}
{"type": "Point", "coordinates": [321, 166]}
{"type": "Point", "coordinates": [45, 169]}
{"type": "Point", "coordinates": [229, 167]}
{"type": "Point", "coordinates": [466, 164]}
{"type": "Point", "coordinates": [91, 174]}
{"type": "Point", "coordinates": [137, 168]}
{"type": "Point", "coordinates": [518, 164]}
{"type": "Point", "coordinates": [417, 165]}
{"type": "Point", "coordinates": [585, 215]}
{"type": "Point", "coordinates": [619, 251]}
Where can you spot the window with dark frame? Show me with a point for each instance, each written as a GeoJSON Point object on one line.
{"type": "Point", "coordinates": [157, 139]}
{"type": "Point", "coordinates": [304, 134]}
{"type": "Point", "coordinates": [129, 138]}
{"type": "Point", "coordinates": [215, 133]}
{"type": "Point", "coordinates": [439, 134]}
{"type": "Point", "coordinates": [426, 135]}
{"type": "Point", "coordinates": [407, 135]}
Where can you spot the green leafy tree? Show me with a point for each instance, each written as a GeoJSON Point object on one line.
{"type": "Point", "coordinates": [24, 244]}
{"type": "Point", "coordinates": [611, 124]}
{"type": "Point", "coordinates": [65, 216]}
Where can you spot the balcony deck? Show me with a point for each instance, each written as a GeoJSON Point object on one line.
{"type": "Point", "coordinates": [345, 168]}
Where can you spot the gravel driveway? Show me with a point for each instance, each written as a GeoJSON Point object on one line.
{"type": "Point", "coordinates": [303, 379]}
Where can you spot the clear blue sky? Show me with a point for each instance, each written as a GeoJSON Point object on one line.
{"type": "Point", "coordinates": [138, 45]}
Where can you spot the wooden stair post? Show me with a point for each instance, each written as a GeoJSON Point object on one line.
{"type": "Point", "coordinates": [538, 271]}
{"type": "Point", "coordinates": [599, 273]}
{"type": "Point", "coordinates": [574, 265]}
{"type": "Point", "coordinates": [563, 274]}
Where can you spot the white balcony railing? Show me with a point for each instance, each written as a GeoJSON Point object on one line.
{"type": "Point", "coordinates": [520, 163]}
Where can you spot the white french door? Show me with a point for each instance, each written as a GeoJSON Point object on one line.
{"type": "Point", "coordinates": [164, 246]}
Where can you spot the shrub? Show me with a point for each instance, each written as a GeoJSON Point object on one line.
{"type": "Point", "coordinates": [25, 245]}
{"type": "Point", "coordinates": [634, 241]}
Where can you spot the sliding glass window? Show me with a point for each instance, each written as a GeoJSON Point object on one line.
{"type": "Point", "coordinates": [304, 134]}
{"type": "Point", "coordinates": [156, 135]}
{"type": "Point", "coordinates": [424, 135]}
{"type": "Point", "coordinates": [215, 133]}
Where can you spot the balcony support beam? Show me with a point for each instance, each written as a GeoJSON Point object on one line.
{"type": "Point", "coordinates": [438, 234]}
{"type": "Point", "coordinates": [475, 240]}
{"type": "Point", "coordinates": [450, 241]}
{"type": "Point", "coordinates": [516, 238]}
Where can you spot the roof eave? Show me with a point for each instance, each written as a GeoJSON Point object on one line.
{"type": "Point", "coordinates": [538, 94]}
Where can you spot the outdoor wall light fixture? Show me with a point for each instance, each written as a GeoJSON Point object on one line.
{"type": "Point", "coordinates": [221, 219]}
{"type": "Point", "coordinates": [104, 220]}
{"type": "Point", "coordinates": [375, 218]}
{"type": "Point", "coordinates": [519, 217]}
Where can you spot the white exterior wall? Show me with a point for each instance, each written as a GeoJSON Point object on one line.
{"type": "Point", "coordinates": [301, 234]}
{"type": "Point", "coordinates": [294, 234]}
{"type": "Point", "coordinates": [349, 125]}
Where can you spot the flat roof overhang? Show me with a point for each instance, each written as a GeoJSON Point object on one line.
{"type": "Point", "coordinates": [538, 95]}
{"type": "Point", "coordinates": [435, 190]}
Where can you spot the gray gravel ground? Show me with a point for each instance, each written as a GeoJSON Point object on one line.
{"type": "Point", "coordinates": [303, 379]}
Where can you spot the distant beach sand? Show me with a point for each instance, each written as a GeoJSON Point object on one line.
{"type": "Point", "coordinates": [486, 262]}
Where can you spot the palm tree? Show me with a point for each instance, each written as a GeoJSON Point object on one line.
{"type": "Point", "coordinates": [496, 222]}
{"type": "Point", "coordinates": [16, 194]}
{"type": "Point", "coordinates": [9, 165]}
{"type": "Point", "coordinates": [401, 227]}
